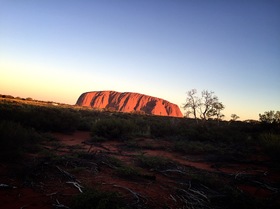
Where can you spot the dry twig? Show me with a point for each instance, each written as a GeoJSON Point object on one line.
{"type": "Point", "coordinates": [69, 175]}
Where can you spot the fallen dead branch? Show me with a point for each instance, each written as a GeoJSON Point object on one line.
{"type": "Point", "coordinates": [193, 197]}
{"type": "Point", "coordinates": [244, 175]}
{"type": "Point", "coordinates": [103, 147]}
{"type": "Point", "coordinates": [173, 170]}
{"type": "Point", "coordinates": [59, 205]}
{"type": "Point", "coordinates": [88, 143]}
{"type": "Point", "coordinates": [91, 144]}
{"type": "Point", "coordinates": [212, 193]}
{"type": "Point", "coordinates": [6, 186]}
{"type": "Point", "coordinates": [67, 174]}
{"type": "Point", "coordinates": [273, 189]}
{"type": "Point", "coordinates": [136, 195]}
{"type": "Point", "coordinates": [255, 180]}
{"type": "Point", "coordinates": [109, 165]}
{"type": "Point", "coordinates": [239, 174]}
{"type": "Point", "coordinates": [51, 194]}
{"type": "Point", "coordinates": [173, 198]}
{"type": "Point", "coordinates": [76, 184]}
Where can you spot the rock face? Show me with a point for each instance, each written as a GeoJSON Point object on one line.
{"type": "Point", "coordinates": [129, 102]}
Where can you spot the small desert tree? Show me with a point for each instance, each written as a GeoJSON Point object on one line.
{"type": "Point", "coordinates": [234, 117]}
{"type": "Point", "coordinates": [208, 105]}
{"type": "Point", "coordinates": [215, 111]}
{"type": "Point", "coordinates": [270, 117]}
{"type": "Point", "coordinates": [192, 103]}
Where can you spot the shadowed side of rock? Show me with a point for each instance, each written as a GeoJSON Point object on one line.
{"type": "Point", "coordinates": [129, 102]}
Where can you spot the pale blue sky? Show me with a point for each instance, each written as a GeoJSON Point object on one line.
{"type": "Point", "coordinates": [57, 49]}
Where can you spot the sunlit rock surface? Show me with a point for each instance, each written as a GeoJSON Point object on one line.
{"type": "Point", "coordinates": [129, 102]}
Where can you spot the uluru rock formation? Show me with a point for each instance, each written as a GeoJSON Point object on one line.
{"type": "Point", "coordinates": [129, 102]}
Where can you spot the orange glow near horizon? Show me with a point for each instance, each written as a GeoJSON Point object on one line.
{"type": "Point", "coordinates": [58, 85]}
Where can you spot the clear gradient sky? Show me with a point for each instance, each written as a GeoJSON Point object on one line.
{"type": "Point", "coordinates": [55, 50]}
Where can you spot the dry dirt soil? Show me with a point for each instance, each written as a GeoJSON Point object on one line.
{"type": "Point", "coordinates": [146, 172]}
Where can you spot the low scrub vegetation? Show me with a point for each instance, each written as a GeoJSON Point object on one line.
{"type": "Point", "coordinates": [24, 126]}
{"type": "Point", "coordinates": [271, 144]}
{"type": "Point", "coordinates": [128, 172]}
{"type": "Point", "coordinates": [115, 128]}
{"type": "Point", "coordinates": [154, 162]}
{"type": "Point", "coordinates": [16, 139]}
{"type": "Point", "coordinates": [188, 135]}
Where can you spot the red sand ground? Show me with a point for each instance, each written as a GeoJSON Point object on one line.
{"type": "Point", "coordinates": [156, 194]}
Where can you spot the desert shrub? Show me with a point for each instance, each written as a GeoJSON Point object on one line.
{"type": "Point", "coordinates": [94, 199]}
{"type": "Point", "coordinates": [15, 139]}
{"type": "Point", "coordinates": [154, 162]}
{"type": "Point", "coordinates": [53, 119]}
{"type": "Point", "coordinates": [113, 128]}
{"type": "Point", "coordinates": [127, 172]}
{"type": "Point", "coordinates": [142, 126]}
{"type": "Point", "coordinates": [43, 118]}
{"type": "Point", "coordinates": [162, 127]}
{"type": "Point", "coordinates": [114, 161]}
{"type": "Point", "coordinates": [85, 123]}
{"type": "Point", "coordinates": [88, 118]}
{"type": "Point", "coordinates": [271, 144]}
{"type": "Point", "coordinates": [7, 96]}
